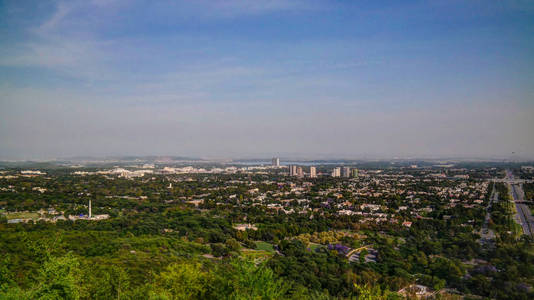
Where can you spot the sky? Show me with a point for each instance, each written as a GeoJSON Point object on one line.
{"type": "Point", "coordinates": [289, 78]}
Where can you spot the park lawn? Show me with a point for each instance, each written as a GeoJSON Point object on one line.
{"type": "Point", "coordinates": [256, 254]}
{"type": "Point", "coordinates": [22, 215]}
{"type": "Point", "coordinates": [264, 246]}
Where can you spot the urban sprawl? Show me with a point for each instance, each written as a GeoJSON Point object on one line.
{"type": "Point", "coordinates": [419, 229]}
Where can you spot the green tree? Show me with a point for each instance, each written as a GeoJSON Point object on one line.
{"type": "Point", "coordinates": [251, 282]}
{"type": "Point", "coordinates": [182, 281]}
{"type": "Point", "coordinates": [58, 279]}
{"type": "Point", "coordinates": [233, 244]}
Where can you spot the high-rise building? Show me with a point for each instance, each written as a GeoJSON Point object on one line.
{"type": "Point", "coordinates": [346, 172]}
{"type": "Point", "coordinates": [313, 172]}
{"type": "Point", "coordinates": [90, 211]}
{"type": "Point", "coordinates": [300, 173]}
{"type": "Point", "coordinates": [275, 162]}
{"type": "Point", "coordinates": [336, 172]}
{"type": "Point", "coordinates": [292, 170]}
{"type": "Point", "coordinates": [354, 172]}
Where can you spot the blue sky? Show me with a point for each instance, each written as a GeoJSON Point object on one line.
{"type": "Point", "coordinates": [262, 78]}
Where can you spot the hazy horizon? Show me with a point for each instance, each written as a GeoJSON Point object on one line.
{"type": "Point", "coordinates": [237, 79]}
{"type": "Point", "coordinates": [284, 158]}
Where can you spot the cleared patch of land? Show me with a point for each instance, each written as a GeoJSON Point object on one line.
{"type": "Point", "coordinates": [21, 215]}
{"type": "Point", "coordinates": [256, 254]}
{"type": "Point", "coordinates": [264, 246]}
{"type": "Point", "coordinates": [314, 246]}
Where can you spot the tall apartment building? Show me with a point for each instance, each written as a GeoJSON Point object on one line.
{"type": "Point", "coordinates": [300, 173]}
{"type": "Point", "coordinates": [346, 172]}
{"type": "Point", "coordinates": [313, 172]}
{"type": "Point", "coordinates": [275, 162]}
{"type": "Point", "coordinates": [354, 172]}
{"type": "Point", "coordinates": [336, 172]}
{"type": "Point", "coordinates": [292, 170]}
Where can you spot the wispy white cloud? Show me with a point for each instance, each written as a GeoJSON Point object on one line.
{"type": "Point", "coordinates": [62, 10]}
{"type": "Point", "coordinates": [70, 10]}
{"type": "Point", "coordinates": [149, 86]}
{"type": "Point", "coordinates": [78, 59]}
{"type": "Point", "coordinates": [67, 44]}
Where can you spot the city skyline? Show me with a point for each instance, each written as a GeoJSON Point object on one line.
{"type": "Point", "coordinates": [243, 79]}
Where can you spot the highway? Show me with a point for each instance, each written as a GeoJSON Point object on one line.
{"type": "Point", "coordinates": [524, 214]}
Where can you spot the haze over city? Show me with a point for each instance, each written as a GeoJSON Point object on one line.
{"type": "Point", "coordinates": [267, 149]}
{"type": "Point", "coordinates": [308, 79]}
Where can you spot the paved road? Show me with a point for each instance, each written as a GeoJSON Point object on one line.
{"type": "Point", "coordinates": [513, 180]}
{"type": "Point", "coordinates": [526, 219]}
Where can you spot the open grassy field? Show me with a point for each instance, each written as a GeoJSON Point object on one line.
{"type": "Point", "coordinates": [21, 215]}
{"type": "Point", "coordinates": [256, 254]}
{"type": "Point", "coordinates": [264, 246]}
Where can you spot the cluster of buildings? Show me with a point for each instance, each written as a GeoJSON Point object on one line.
{"type": "Point", "coordinates": [345, 172]}
{"type": "Point", "coordinates": [377, 196]}
{"type": "Point", "coordinates": [387, 195]}
{"type": "Point", "coordinates": [296, 171]}
{"type": "Point", "coordinates": [52, 215]}
{"type": "Point", "coordinates": [32, 172]}
{"type": "Point", "coordinates": [121, 172]}
{"type": "Point", "coordinates": [125, 173]}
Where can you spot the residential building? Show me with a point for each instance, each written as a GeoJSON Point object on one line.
{"type": "Point", "coordinates": [313, 172]}
{"type": "Point", "coordinates": [336, 172]}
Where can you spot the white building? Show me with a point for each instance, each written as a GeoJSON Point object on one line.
{"type": "Point", "coordinates": [336, 172]}
{"type": "Point", "coordinates": [313, 172]}
{"type": "Point", "coordinates": [292, 170]}
{"type": "Point", "coordinates": [32, 172]}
